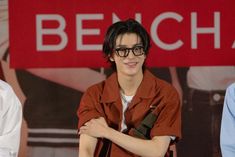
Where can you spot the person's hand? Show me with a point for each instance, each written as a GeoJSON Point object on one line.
{"type": "Point", "coordinates": [95, 127]}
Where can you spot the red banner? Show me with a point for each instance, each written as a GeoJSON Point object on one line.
{"type": "Point", "coordinates": [70, 33]}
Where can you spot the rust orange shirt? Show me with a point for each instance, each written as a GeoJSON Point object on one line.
{"type": "Point", "coordinates": [104, 100]}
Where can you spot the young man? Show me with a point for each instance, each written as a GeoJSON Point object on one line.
{"type": "Point", "coordinates": [10, 120]}
{"type": "Point", "coordinates": [111, 111]}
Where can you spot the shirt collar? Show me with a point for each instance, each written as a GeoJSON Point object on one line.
{"type": "Point", "coordinates": [111, 89]}
{"type": "Point", "coordinates": [146, 89]}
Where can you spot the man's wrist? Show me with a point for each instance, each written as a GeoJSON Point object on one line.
{"type": "Point", "coordinates": [108, 133]}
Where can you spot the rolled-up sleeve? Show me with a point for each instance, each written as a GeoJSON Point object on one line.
{"type": "Point", "coordinates": [169, 120]}
{"type": "Point", "coordinates": [89, 107]}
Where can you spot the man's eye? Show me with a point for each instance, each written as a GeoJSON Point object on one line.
{"type": "Point", "coordinates": [136, 48]}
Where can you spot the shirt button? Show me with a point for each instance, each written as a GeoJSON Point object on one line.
{"type": "Point", "coordinates": [216, 97]}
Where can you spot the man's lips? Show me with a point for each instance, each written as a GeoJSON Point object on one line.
{"type": "Point", "coordinates": [131, 64]}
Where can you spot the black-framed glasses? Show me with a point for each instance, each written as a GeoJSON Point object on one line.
{"type": "Point", "coordinates": [124, 52]}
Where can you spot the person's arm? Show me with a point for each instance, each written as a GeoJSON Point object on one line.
{"type": "Point", "coordinates": [175, 82]}
{"type": "Point", "coordinates": [87, 111]}
{"type": "Point", "coordinates": [87, 145]}
{"type": "Point", "coordinates": [156, 147]}
{"type": "Point", "coordinates": [227, 138]}
{"type": "Point", "coordinates": [11, 118]}
{"type": "Point", "coordinates": [11, 78]}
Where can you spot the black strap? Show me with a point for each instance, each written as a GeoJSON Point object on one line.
{"type": "Point", "coordinates": [143, 130]}
{"type": "Point", "coordinates": [105, 150]}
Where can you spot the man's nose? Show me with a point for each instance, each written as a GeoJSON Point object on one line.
{"type": "Point", "coordinates": [130, 53]}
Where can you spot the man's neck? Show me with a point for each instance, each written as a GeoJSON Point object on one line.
{"type": "Point", "coordinates": [129, 84]}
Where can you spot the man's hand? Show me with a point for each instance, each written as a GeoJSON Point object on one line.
{"type": "Point", "coordinates": [95, 128]}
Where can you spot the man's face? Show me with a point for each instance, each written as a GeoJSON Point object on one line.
{"type": "Point", "coordinates": [126, 61]}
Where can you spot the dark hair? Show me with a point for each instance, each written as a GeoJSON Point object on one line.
{"type": "Point", "coordinates": [123, 27]}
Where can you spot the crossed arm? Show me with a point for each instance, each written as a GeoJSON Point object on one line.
{"type": "Point", "coordinates": [98, 128]}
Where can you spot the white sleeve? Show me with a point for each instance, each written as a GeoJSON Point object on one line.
{"type": "Point", "coordinates": [10, 118]}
